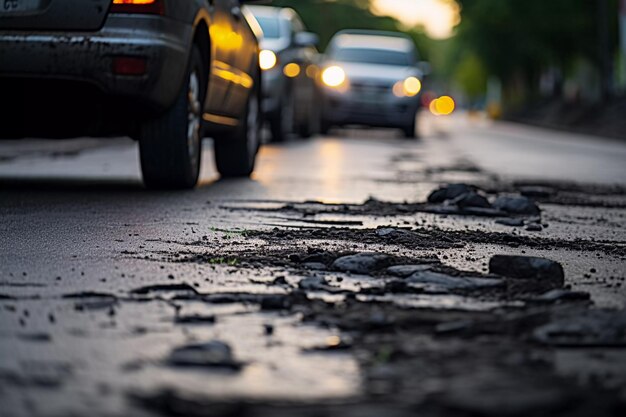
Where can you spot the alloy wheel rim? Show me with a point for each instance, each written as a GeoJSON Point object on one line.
{"type": "Point", "coordinates": [193, 116]}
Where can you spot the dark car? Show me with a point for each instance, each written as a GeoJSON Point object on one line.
{"type": "Point", "coordinates": [371, 78]}
{"type": "Point", "coordinates": [288, 60]}
{"type": "Point", "coordinates": [165, 72]}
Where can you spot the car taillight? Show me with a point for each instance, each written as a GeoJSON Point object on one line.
{"type": "Point", "coordinates": [137, 6]}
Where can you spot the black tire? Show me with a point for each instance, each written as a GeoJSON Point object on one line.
{"type": "Point", "coordinates": [235, 154]}
{"type": "Point", "coordinates": [324, 127]}
{"type": "Point", "coordinates": [170, 146]}
{"type": "Point", "coordinates": [410, 130]}
{"type": "Point", "coordinates": [282, 122]}
{"type": "Point", "coordinates": [311, 125]}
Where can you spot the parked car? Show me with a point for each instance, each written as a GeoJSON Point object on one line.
{"type": "Point", "coordinates": [371, 78]}
{"type": "Point", "coordinates": [165, 72]}
{"type": "Point", "coordinates": [288, 59]}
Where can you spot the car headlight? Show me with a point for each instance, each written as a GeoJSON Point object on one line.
{"type": "Point", "coordinates": [334, 76]}
{"type": "Point", "coordinates": [409, 87]}
{"type": "Point", "coordinates": [267, 59]}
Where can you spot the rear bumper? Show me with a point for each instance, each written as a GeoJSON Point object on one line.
{"type": "Point", "coordinates": [346, 108]}
{"type": "Point", "coordinates": [88, 57]}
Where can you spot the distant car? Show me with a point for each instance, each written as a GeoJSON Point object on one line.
{"type": "Point", "coordinates": [288, 59]}
{"type": "Point", "coordinates": [371, 78]}
{"type": "Point", "coordinates": [166, 72]}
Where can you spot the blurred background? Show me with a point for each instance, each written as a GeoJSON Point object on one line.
{"type": "Point", "coordinates": [557, 63]}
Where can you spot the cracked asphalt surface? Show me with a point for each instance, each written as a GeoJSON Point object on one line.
{"type": "Point", "coordinates": [333, 283]}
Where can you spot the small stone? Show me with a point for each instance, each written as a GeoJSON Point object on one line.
{"type": "Point", "coordinates": [362, 263]}
{"type": "Point", "coordinates": [547, 272]}
{"type": "Point", "coordinates": [536, 191]}
{"type": "Point", "coordinates": [214, 354]}
{"type": "Point", "coordinates": [312, 284]}
{"type": "Point", "coordinates": [517, 205]}
{"type": "Point", "coordinates": [268, 329]}
{"type": "Point", "coordinates": [280, 281]}
{"type": "Point", "coordinates": [195, 319]}
{"type": "Point", "coordinates": [448, 193]}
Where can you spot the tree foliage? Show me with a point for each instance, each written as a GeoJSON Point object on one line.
{"type": "Point", "coordinates": [521, 38]}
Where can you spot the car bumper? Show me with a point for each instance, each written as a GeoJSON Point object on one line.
{"type": "Point", "coordinates": [88, 57]}
{"type": "Point", "coordinates": [380, 111]}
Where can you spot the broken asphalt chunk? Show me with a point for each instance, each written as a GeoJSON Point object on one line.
{"type": "Point", "coordinates": [449, 192]}
{"type": "Point", "coordinates": [547, 273]}
{"type": "Point", "coordinates": [214, 354]}
{"type": "Point", "coordinates": [470, 200]}
{"type": "Point", "coordinates": [517, 205]}
{"type": "Point", "coordinates": [449, 282]}
{"type": "Point", "coordinates": [362, 263]}
{"type": "Point", "coordinates": [591, 328]}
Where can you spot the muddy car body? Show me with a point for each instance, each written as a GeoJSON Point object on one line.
{"type": "Point", "coordinates": [371, 78]}
{"type": "Point", "coordinates": [166, 72]}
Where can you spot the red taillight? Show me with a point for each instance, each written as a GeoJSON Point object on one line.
{"type": "Point", "coordinates": [137, 6]}
{"type": "Point", "coordinates": [127, 65]}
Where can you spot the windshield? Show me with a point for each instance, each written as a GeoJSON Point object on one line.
{"type": "Point", "coordinates": [270, 26]}
{"type": "Point", "coordinates": [373, 56]}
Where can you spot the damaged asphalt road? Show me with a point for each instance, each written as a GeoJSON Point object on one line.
{"type": "Point", "coordinates": [352, 277]}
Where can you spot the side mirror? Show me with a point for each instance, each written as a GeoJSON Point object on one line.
{"type": "Point", "coordinates": [305, 39]}
{"type": "Point", "coordinates": [424, 67]}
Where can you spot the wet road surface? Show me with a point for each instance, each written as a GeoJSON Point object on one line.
{"type": "Point", "coordinates": [116, 299]}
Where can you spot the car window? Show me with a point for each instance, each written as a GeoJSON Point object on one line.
{"type": "Point", "coordinates": [270, 26]}
{"type": "Point", "coordinates": [373, 56]}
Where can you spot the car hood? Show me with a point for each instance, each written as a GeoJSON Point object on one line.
{"type": "Point", "coordinates": [375, 72]}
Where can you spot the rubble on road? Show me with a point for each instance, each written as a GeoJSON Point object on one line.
{"type": "Point", "coordinates": [214, 354]}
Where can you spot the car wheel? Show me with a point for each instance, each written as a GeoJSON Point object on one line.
{"type": "Point", "coordinates": [410, 130]}
{"type": "Point", "coordinates": [170, 145]}
{"type": "Point", "coordinates": [309, 128]}
{"type": "Point", "coordinates": [325, 127]}
{"type": "Point", "coordinates": [235, 154]}
{"type": "Point", "coordinates": [282, 123]}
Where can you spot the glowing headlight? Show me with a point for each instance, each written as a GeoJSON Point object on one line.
{"type": "Point", "coordinates": [409, 87]}
{"type": "Point", "coordinates": [333, 76]}
{"type": "Point", "coordinates": [292, 70]}
{"type": "Point", "coordinates": [267, 59]}
{"type": "Point", "coordinates": [442, 106]}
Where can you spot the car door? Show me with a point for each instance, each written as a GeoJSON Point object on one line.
{"type": "Point", "coordinates": [243, 59]}
{"type": "Point", "coordinates": [225, 42]}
